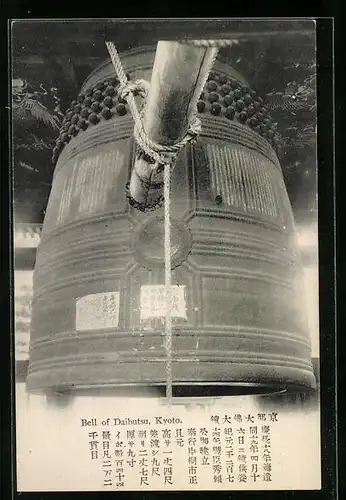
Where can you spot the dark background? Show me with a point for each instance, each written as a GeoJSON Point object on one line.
{"type": "Point", "coordinates": [38, 191]}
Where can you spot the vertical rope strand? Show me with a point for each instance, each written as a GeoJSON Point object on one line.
{"type": "Point", "coordinates": [168, 277]}
{"type": "Point", "coordinates": [165, 155]}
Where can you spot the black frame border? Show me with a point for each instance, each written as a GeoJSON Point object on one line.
{"type": "Point", "coordinates": [327, 276]}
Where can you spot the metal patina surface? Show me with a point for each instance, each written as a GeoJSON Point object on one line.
{"type": "Point", "coordinates": [240, 321]}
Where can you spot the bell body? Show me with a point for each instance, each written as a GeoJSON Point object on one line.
{"type": "Point", "coordinates": [98, 305]}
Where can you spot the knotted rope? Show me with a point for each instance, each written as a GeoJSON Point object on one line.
{"type": "Point", "coordinates": [160, 154]}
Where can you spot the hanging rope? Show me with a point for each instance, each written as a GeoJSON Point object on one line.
{"type": "Point", "coordinates": [162, 156]}
{"type": "Point", "coordinates": [168, 276]}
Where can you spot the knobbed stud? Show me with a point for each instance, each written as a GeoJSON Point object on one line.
{"type": "Point", "coordinates": [121, 109]}
{"type": "Point", "coordinates": [87, 102]}
{"type": "Point", "coordinates": [97, 95]}
{"type": "Point", "coordinates": [223, 79]}
{"type": "Point", "coordinates": [227, 101]}
{"type": "Point", "coordinates": [243, 116]}
{"type": "Point", "coordinates": [212, 85]}
{"type": "Point", "coordinates": [93, 118]}
{"type": "Point", "coordinates": [222, 96]}
{"type": "Point", "coordinates": [215, 108]}
{"type": "Point", "coordinates": [213, 97]}
{"type": "Point", "coordinates": [230, 112]}
{"type": "Point", "coordinates": [201, 106]}
{"type": "Point", "coordinates": [82, 124]}
{"type": "Point", "coordinates": [225, 89]}
{"type": "Point", "coordinates": [247, 99]}
{"type": "Point", "coordinates": [90, 107]}
{"type": "Point", "coordinates": [108, 101]}
{"type": "Point", "coordinates": [106, 113]}
{"type": "Point", "coordinates": [85, 112]}
{"type": "Point", "coordinates": [251, 110]}
{"type": "Point", "coordinates": [72, 130]}
{"type": "Point", "coordinates": [95, 106]}
{"type": "Point", "coordinates": [240, 104]}
{"type": "Point", "coordinates": [109, 91]}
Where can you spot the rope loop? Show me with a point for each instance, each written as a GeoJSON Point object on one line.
{"type": "Point", "coordinates": [138, 87]}
{"type": "Point", "coordinates": [221, 43]}
{"type": "Point", "coordinates": [159, 153]}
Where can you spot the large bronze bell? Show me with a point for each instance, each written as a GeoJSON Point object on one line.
{"type": "Point", "coordinates": [239, 317]}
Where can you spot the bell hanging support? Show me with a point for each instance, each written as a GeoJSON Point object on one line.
{"type": "Point", "coordinates": [179, 74]}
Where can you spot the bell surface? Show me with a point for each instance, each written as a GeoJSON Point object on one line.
{"type": "Point", "coordinates": [239, 317]}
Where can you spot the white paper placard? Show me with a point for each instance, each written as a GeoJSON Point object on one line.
{"type": "Point", "coordinates": [97, 311]}
{"type": "Point", "coordinates": [153, 301]}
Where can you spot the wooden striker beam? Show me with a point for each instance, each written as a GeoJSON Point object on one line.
{"type": "Point", "coordinates": [178, 77]}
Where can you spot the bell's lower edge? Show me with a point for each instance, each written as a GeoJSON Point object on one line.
{"type": "Point", "coordinates": [153, 374]}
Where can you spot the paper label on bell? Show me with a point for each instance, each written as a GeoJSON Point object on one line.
{"type": "Point", "coordinates": [97, 311]}
{"type": "Point", "coordinates": [154, 301]}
